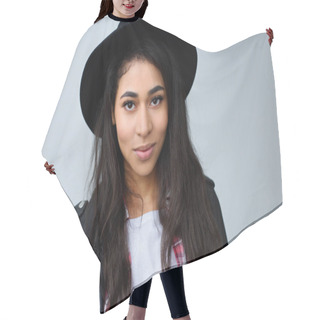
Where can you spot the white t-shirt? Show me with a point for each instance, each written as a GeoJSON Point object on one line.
{"type": "Point", "coordinates": [144, 240]}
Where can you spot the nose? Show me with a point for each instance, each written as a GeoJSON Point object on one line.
{"type": "Point", "coordinates": [144, 122]}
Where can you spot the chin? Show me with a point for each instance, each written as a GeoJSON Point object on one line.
{"type": "Point", "coordinates": [144, 173]}
{"type": "Point", "coordinates": [144, 170]}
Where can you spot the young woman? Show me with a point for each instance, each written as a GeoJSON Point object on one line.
{"type": "Point", "coordinates": [146, 162]}
{"type": "Point", "coordinates": [145, 168]}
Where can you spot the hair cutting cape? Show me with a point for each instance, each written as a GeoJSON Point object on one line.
{"type": "Point", "coordinates": [232, 122]}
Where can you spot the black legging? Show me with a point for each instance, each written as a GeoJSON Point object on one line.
{"type": "Point", "coordinates": [172, 281]}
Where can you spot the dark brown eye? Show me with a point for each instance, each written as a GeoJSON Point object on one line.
{"type": "Point", "coordinates": [157, 99]}
{"type": "Point", "coordinates": [128, 105]}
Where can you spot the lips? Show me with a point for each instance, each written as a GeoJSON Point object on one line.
{"type": "Point", "coordinates": [145, 147]}
{"type": "Point", "coordinates": [144, 152]}
{"type": "Point", "coordinates": [128, 6]}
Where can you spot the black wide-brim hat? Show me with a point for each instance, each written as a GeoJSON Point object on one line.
{"type": "Point", "coordinates": [93, 81]}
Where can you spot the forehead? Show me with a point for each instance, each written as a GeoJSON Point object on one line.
{"type": "Point", "coordinates": [140, 73]}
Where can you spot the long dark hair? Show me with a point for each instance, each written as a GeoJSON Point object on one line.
{"type": "Point", "coordinates": [187, 214]}
{"type": "Point", "coordinates": [106, 7]}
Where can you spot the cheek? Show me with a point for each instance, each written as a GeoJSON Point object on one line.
{"type": "Point", "coordinates": [117, 3]}
{"type": "Point", "coordinates": [162, 122]}
{"type": "Point", "coordinates": [125, 134]}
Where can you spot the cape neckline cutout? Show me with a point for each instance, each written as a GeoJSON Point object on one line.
{"type": "Point", "coordinates": [113, 17]}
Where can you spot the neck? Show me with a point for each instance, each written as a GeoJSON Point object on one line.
{"type": "Point", "coordinates": [118, 14]}
{"type": "Point", "coordinates": [126, 19]}
{"type": "Point", "coordinates": [146, 187]}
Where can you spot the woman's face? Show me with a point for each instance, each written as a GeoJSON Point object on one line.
{"type": "Point", "coordinates": [126, 8]}
{"type": "Point", "coordinates": [141, 116]}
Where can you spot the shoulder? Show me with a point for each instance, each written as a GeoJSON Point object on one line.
{"type": "Point", "coordinates": [80, 207]}
{"type": "Point", "coordinates": [209, 182]}
{"type": "Point", "coordinates": [212, 194]}
{"type": "Point", "coordinates": [96, 28]}
{"type": "Point", "coordinates": [96, 33]}
{"type": "Point", "coordinates": [217, 213]}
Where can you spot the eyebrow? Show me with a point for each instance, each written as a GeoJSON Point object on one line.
{"type": "Point", "coordinates": [134, 95]}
